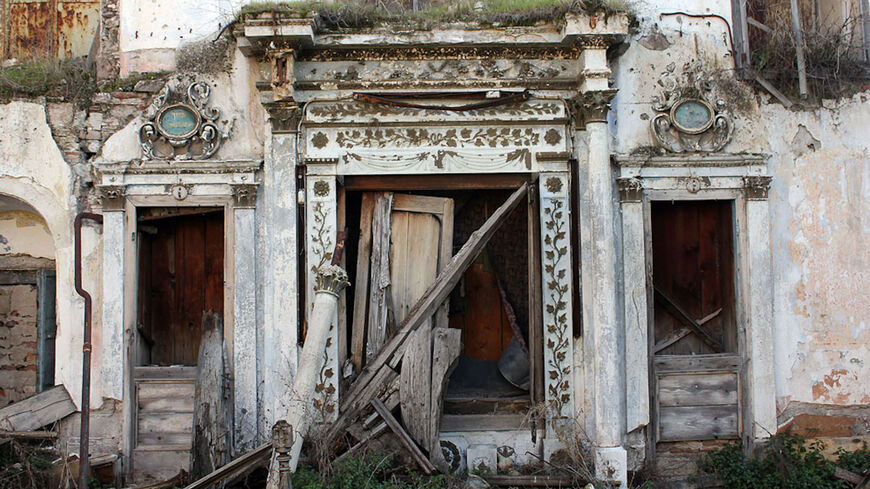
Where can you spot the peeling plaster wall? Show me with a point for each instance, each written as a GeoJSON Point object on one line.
{"type": "Point", "coordinates": [23, 232]}
{"type": "Point", "coordinates": [33, 170]}
{"type": "Point", "coordinates": [819, 206]}
{"type": "Point", "coordinates": [151, 31]}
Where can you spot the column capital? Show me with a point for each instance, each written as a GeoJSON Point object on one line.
{"type": "Point", "coordinates": [284, 116]}
{"type": "Point", "coordinates": [331, 279]}
{"type": "Point", "coordinates": [630, 189]}
{"type": "Point", "coordinates": [112, 197]}
{"type": "Point", "coordinates": [756, 187]}
{"type": "Point", "coordinates": [244, 195]}
{"type": "Point", "coordinates": [592, 106]}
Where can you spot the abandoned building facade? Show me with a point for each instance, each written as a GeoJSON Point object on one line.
{"type": "Point", "coordinates": [633, 239]}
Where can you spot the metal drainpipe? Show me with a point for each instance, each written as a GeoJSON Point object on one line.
{"type": "Point", "coordinates": [86, 351]}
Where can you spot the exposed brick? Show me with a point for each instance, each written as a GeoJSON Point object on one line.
{"type": "Point", "coordinates": [815, 425]}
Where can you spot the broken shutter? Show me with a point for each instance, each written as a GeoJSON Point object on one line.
{"type": "Point", "coordinates": [46, 324]}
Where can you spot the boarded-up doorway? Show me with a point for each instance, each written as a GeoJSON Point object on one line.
{"type": "Point", "coordinates": [696, 367]}
{"type": "Point", "coordinates": [180, 276]}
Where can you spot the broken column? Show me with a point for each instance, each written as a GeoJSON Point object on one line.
{"type": "Point", "coordinates": [329, 282]}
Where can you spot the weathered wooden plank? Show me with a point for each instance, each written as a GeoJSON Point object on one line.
{"type": "Point", "coordinates": [37, 411]}
{"type": "Point", "coordinates": [445, 352]}
{"type": "Point", "coordinates": [415, 387]}
{"type": "Point", "coordinates": [426, 306]}
{"type": "Point", "coordinates": [158, 465]}
{"type": "Point", "coordinates": [164, 423]}
{"type": "Point", "coordinates": [670, 339]}
{"type": "Point", "coordinates": [403, 437]}
{"type": "Point", "coordinates": [361, 288]}
{"type": "Point", "coordinates": [481, 422]}
{"type": "Point", "coordinates": [165, 439]}
{"type": "Point", "coordinates": [690, 363]}
{"type": "Point", "coordinates": [848, 476]}
{"type": "Point", "coordinates": [379, 296]}
{"type": "Point", "coordinates": [698, 423]}
{"type": "Point", "coordinates": [165, 373]}
{"type": "Point", "coordinates": [29, 435]}
{"type": "Point", "coordinates": [698, 389]}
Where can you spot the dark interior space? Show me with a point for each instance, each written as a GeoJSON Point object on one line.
{"type": "Point", "coordinates": [693, 269]}
{"type": "Point", "coordinates": [493, 290]}
{"type": "Point", "coordinates": [181, 275]}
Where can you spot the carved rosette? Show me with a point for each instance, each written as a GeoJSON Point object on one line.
{"type": "Point", "coordinates": [630, 189]}
{"type": "Point", "coordinates": [690, 118]}
{"type": "Point", "coordinates": [331, 279]}
{"type": "Point", "coordinates": [756, 187]}
{"type": "Point", "coordinates": [556, 270]}
{"type": "Point", "coordinates": [180, 124]}
{"type": "Point", "coordinates": [112, 197]}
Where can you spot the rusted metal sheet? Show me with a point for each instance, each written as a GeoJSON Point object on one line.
{"type": "Point", "coordinates": [49, 28]}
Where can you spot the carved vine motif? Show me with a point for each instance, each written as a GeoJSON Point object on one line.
{"type": "Point", "coordinates": [556, 321]}
{"type": "Point", "coordinates": [335, 111]}
{"type": "Point", "coordinates": [181, 125]}
{"type": "Point", "coordinates": [690, 118]}
{"type": "Point", "coordinates": [325, 388]}
{"type": "Point", "coordinates": [441, 158]}
{"type": "Point", "coordinates": [485, 137]}
{"type": "Point", "coordinates": [321, 239]}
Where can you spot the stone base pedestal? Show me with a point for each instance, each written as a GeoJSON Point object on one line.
{"type": "Point", "coordinates": [611, 464]}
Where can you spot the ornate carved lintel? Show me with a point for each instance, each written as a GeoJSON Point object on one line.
{"type": "Point", "coordinates": [245, 195]}
{"type": "Point", "coordinates": [331, 279]}
{"type": "Point", "coordinates": [756, 187]}
{"type": "Point", "coordinates": [593, 106]}
{"type": "Point", "coordinates": [284, 116]}
{"type": "Point", "coordinates": [112, 197]}
{"type": "Point", "coordinates": [630, 189]}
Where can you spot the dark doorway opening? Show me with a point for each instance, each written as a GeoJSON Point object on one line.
{"type": "Point", "coordinates": [181, 275]}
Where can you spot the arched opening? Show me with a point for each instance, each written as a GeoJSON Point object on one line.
{"type": "Point", "coordinates": [27, 301]}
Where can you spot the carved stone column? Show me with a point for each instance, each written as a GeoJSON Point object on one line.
{"type": "Point", "coordinates": [603, 339]}
{"type": "Point", "coordinates": [113, 291]}
{"type": "Point", "coordinates": [245, 348]}
{"type": "Point", "coordinates": [759, 331]}
{"type": "Point", "coordinates": [634, 303]}
{"type": "Point", "coordinates": [330, 281]}
{"type": "Point", "coordinates": [277, 208]}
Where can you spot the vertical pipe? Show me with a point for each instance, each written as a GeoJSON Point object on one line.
{"type": "Point", "coordinates": [799, 48]}
{"type": "Point", "coordinates": [86, 350]}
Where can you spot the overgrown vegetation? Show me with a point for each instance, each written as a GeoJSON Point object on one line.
{"type": "Point", "coordinates": [25, 465]}
{"type": "Point", "coordinates": [371, 471]}
{"type": "Point", "coordinates": [832, 48]}
{"type": "Point", "coordinates": [369, 13]}
{"type": "Point", "coordinates": [70, 80]}
{"type": "Point", "coordinates": [789, 462]}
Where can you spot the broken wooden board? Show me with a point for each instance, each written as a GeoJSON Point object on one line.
{"type": "Point", "coordinates": [445, 352]}
{"type": "Point", "coordinates": [235, 468]}
{"type": "Point", "coordinates": [376, 331]}
{"type": "Point", "coordinates": [415, 387]}
{"type": "Point", "coordinates": [212, 419]}
{"type": "Point", "coordinates": [361, 289]}
{"type": "Point", "coordinates": [404, 439]}
{"type": "Point", "coordinates": [37, 411]}
{"type": "Point", "coordinates": [361, 391]}
{"type": "Point", "coordinates": [684, 318]}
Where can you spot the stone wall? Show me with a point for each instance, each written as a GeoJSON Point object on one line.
{"type": "Point", "coordinates": [18, 360]}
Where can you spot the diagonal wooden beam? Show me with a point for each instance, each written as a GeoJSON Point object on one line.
{"type": "Point", "coordinates": [359, 394]}
{"type": "Point", "coordinates": [682, 332]}
{"type": "Point", "coordinates": [687, 321]}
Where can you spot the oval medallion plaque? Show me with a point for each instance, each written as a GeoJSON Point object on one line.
{"type": "Point", "coordinates": [178, 121]}
{"type": "Point", "coordinates": [692, 116]}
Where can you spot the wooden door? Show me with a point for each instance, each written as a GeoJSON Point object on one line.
{"type": "Point", "coordinates": [696, 362]}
